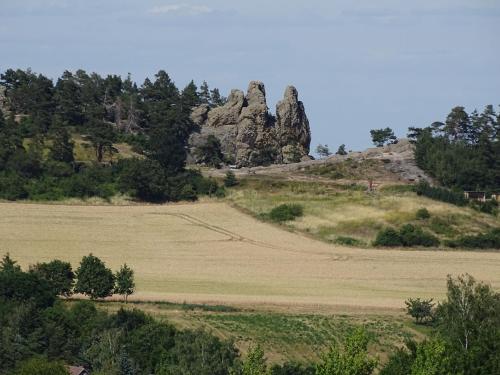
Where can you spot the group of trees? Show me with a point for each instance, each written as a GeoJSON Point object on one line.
{"type": "Point", "coordinates": [324, 151]}
{"type": "Point", "coordinates": [92, 278]}
{"type": "Point", "coordinates": [38, 120]}
{"type": "Point", "coordinates": [39, 331]}
{"type": "Point", "coordinates": [462, 152]}
{"type": "Point", "coordinates": [465, 333]}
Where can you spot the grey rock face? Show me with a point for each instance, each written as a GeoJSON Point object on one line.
{"type": "Point", "coordinates": [249, 134]}
{"type": "Point", "coordinates": [292, 127]}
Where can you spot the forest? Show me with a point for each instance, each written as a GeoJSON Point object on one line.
{"type": "Point", "coordinates": [463, 152]}
{"type": "Point", "coordinates": [38, 119]}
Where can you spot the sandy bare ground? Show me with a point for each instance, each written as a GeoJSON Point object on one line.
{"type": "Point", "coordinates": [210, 252]}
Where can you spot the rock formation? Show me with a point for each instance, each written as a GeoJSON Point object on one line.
{"type": "Point", "coordinates": [249, 134]}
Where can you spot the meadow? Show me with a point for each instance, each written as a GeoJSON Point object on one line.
{"type": "Point", "coordinates": [285, 336]}
{"type": "Point", "coordinates": [209, 252]}
{"type": "Point", "coordinates": [334, 210]}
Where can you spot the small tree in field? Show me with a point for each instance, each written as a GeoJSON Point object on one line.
{"type": "Point", "coordinates": [255, 364]}
{"type": "Point", "coordinates": [94, 279]}
{"type": "Point", "coordinates": [323, 151]}
{"type": "Point", "coordinates": [125, 284]}
{"type": "Point", "coordinates": [341, 150]}
{"type": "Point", "coordinates": [351, 360]}
{"type": "Point", "coordinates": [230, 179]}
{"type": "Point", "coordinates": [420, 309]}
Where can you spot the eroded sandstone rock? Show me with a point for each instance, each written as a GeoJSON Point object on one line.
{"type": "Point", "coordinates": [250, 135]}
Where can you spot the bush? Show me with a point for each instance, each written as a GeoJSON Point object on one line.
{"type": "Point", "coordinates": [490, 240]}
{"type": "Point", "coordinates": [408, 235]}
{"type": "Point", "coordinates": [348, 241]}
{"type": "Point", "coordinates": [422, 214]}
{"type": "Point", "coordinates": [286, 212]}
{"type": "Point", "coordinates": [230, 179]}
{"type": "Point", "coordinates": [415, 236]}
{"type": "Point", "coordinates": [421, 310]}
{"type": "Point", "coordinates": [388, 237]}
{"type": "Point", "coordinates": [488, 207]}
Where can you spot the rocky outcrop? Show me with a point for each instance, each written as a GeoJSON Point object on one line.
{"type": "Point", "coordinates": [292, 127]}
{"type": "Point", "coordinates": [249, 134]}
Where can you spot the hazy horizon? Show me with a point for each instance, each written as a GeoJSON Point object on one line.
{"type": "Point", "coordinates": [357, 66]}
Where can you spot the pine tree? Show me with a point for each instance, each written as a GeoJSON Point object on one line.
{"type": "Point", "coordinates": [62, 147]}
{"type": "Point", "coordinates": [457, 125]}
{"type": "Point", "coordinates": [7, 264]}
{"type": "Point", "coordinates": [217, 99]}
{"type": "Point", "coordinates": [204, 93]}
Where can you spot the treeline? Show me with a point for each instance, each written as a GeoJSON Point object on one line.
{"type": "Point", "coordinates": [462, 152]}
{"type": "Point", "coordinates": [38, 119]}
{"type": "Point", "coordinates": [41, 334]}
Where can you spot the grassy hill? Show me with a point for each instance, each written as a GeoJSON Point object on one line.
{"type": "Point", "coordinates": [333, 210]}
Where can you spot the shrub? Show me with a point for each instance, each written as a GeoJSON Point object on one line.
{"type": "Point", "coordinates": [230, 179]}
{"type": "Point", "coordinates": [421, 310]}
{"type": "Point", "coordinates": [488, 207]}
{"type": "Point", "coordinates": [408, 235]}
{"type": "Point", "coordinates": [441, 226]}
{"type": "Point", "coordinates": [348, 241]}
{"type": "Point", "coordinates": [415, 236]}
{"type": "Point", "coordinates": [422, 214]}
{"type": "Point", "coordinates": [489, 240]}
{"type": "Point", "coordinates": [286, 212]}
{"type": "Point", "coordinates": [388, 237]}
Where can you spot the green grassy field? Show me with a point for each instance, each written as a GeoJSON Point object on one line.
{"type": "Point", "coordinates": [284, 336]}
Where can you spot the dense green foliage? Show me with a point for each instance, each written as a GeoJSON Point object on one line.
{"type": "Point", "coordinates": [94, 279]}
{"type": "Point", "coordinates": [154, 118]}
{"type": "Point", "coordinates": [286, 212]}
{"type": "Point", "coordinates": [41, 366]}
{"type": "Point", "coordinates": [489, 240]}
{"type": "Point", "coordinates": [352, 359]}
{"type": "Point", "coordinates": [462, 152]}
{"type": "Point", "coordinates": [209, 153]}
{"type": "Point", "coordinates": [465, 339]}
{"type": "Point", "coordinates": [59, 274]}
{"type": "Point", "coordinates": [408, 235]}
{"type": "Point", "coordinates": [441, 194]}
{"type": "Point", "coordinates": [35, 335]}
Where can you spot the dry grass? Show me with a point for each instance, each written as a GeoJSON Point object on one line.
{"type": "Point", "coordinates": [333, 210]}
{"type": "Point", "coordinates": [210, 252]}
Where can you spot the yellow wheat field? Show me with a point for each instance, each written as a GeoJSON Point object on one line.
{"type": "Point", "coordinates": [210, 252]}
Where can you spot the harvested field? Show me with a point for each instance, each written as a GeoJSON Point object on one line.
{"type": "Point", "coordinates": [210, 252]}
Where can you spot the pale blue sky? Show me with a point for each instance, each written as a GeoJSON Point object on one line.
{"type": "Point", "coordinates": [357, 65]}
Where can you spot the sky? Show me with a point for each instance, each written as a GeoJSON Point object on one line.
{"type": "Point", "coordinates": [357, 64]}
